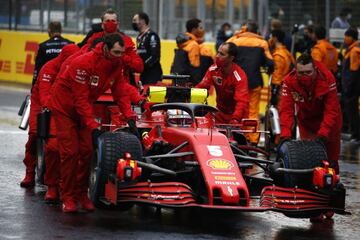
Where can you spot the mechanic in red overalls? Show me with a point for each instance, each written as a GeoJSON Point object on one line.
{"type": "Point", "coordinates": [39, 97]}
{"type": "Point", "coordinates": [230, 82]}
{"type": "Point", "coordinates": [46, 79]}
{"type": "Point", "coordinates": [312, 88]}
{"type": "Point", "coordinates": [132, 61]}
{"type": "Point", "coordinates": [86, 78]}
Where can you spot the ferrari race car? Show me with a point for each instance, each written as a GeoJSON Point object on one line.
{"type": "Point", "coordinates": [185, 160]}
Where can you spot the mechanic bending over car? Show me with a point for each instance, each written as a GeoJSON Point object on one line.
{"type": "Point", "coordinates": [311, 87]}
{"type": "Point", "coordinates": [39, 99]}
{"type": "Point", "coordinates": [231, 86]}
{"type": "Point", "coordinates": [283, 62]}
{"type": "Point", "coordinates": [148, 48]}
{"type": "Point", "coordinates": [87, 77]}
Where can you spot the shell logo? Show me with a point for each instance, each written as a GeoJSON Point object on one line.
{"type": "Point", "coordinates": [220, 164]}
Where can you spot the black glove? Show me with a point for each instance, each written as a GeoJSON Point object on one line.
{"type": "Point", "coordinates": [132, 128]}
{"type": "Point", "coordinates": [95, 134]}
{"type": "Point", "coordinates": [275, 89]}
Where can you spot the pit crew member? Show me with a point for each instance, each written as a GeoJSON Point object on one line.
{"type": "Point", "coordinates": [253, 53]}
{"type": "Point", "coordinates": [87, 77]}
{"type": "Point", "coordinates": [311, 87]}
{"type": "Point", "coordinates": [231, 86]}
{"type": "Point", "coordinates": [39, 98]}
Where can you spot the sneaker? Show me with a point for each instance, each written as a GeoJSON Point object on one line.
{"type": "Point", "coordinates": [86, 203]}
{"type": "Point", "coordinates": [52, 194]}
{"type": "Point", "coordinates": [69, 206]}
{"type": "Point", "coordinates": [29, 180]}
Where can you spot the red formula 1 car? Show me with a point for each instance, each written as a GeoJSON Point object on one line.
{"type": "Point", "coordinates": [185, 160]}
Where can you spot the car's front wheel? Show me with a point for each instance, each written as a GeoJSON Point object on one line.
{"type": "Point", "coordinates": [111, 147]}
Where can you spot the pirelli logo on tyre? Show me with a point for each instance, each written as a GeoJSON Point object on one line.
{"type": "Point", "coordinates": [219, 164]}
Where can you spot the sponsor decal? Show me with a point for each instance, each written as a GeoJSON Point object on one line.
{"type": "Point", "coordinates": [27, 66]}
{"type": "Point", "coordinates": [217, 80]}
{"type": "Point", "coordinates": [220, 164]}
{"type": "Point", "coordinates": [46, 77]}
{"type": "Point", "coordinates": [227, 183]}
{"type": "Point", "coordinates": [297, 97]}
{"type": "Point", "coordinates": [287, 201]}
{"type": "Point", "coordinates": [153, 42]}
{"type": "Point", "coordinates": [5, 66]}
{"type": "Point", "coordinates": [237, 76]}
{"type": "Point", "coordinates": [230, 191]}
{"type": "Point", "coordinates": [222, 173]}
{"type": "Point", "coordinates": [229, 178]}
{"type": "Point", "coordinates": [94, 80]}
{"type": "Point", "coordinates": [215, 150]}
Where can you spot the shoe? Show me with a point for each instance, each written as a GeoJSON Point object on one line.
{"type": "Point", "coordinates": [317, 219]}
{"type": "Point", "coordinates": [86, 204]}
{"type": "Point", "coordinates": [29, 180]}
{"type": "Point", "coordinates": [52, 194]}
{"type": "Point", "coordinates": [69, 206]}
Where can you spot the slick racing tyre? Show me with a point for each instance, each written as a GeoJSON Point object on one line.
{"type": "Point", "coordinates": [111, 147]}
{"type": "Point", "coordinates": [297, 154]}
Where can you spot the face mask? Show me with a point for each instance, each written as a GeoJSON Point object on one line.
{"type": "Point", "coordinates": [348, 17]}
{"type": "Point", "coordinates": [228, 33]}
{"type": "Point", "coordinates": [109, 55]}
{"type": "Point", "coordinates": [135, 26]}
{"type": "Point", "coordinates": [110, 26]}
{"type": "Point", "coordinates": [200, 33]}
{"type": "Point", "coordinates": [220, 62]}
{"type": "Point", "coordinates": [306, 82]}
{"type": "Point", "coordinates": [348, 40]}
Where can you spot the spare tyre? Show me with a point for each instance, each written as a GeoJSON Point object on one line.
{"type": "Point", "coordinates": [296, 154]}
{"type": "Point", "coordinates": [111, 147]}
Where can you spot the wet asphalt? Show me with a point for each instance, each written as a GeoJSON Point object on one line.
{"type": "Point", "coordinates": [25, 215]}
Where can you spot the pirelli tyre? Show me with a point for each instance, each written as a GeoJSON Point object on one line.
{"type": "Point", "coordinates": [111, 147]}
{"type": "Point", "coordinates": [297, 154]}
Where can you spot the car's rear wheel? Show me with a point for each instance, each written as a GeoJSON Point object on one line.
{"type": "Point", "coordinates": [111, 147]}
{"type": "Point", "coordinates": [299, 155]}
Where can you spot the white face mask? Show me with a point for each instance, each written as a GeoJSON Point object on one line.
{"type": "Point", "coordinates": [348, 17]}
{"type": "Point", "coordinates": [228, 33]}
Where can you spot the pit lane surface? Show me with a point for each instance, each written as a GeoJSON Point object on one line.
{"type": "Point", "coordinates": [24, 214]}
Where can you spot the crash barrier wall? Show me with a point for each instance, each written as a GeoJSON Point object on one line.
{"type": "Point", "coordinates": [18, 51]}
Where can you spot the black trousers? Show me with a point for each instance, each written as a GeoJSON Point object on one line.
{"type": "Point", "coordinates": [352, 94]}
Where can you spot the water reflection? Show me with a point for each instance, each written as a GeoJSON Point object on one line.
{"type": "Point", "coordinates": [322, 230]}
{"type": "Point", "coordinates": [350, 152]}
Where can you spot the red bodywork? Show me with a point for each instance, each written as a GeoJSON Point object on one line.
{"type": "Point", "coordinates": [223, 179]}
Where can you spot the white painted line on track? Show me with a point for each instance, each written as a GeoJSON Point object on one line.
{"type": "Point", "coordinates": [13, 132]}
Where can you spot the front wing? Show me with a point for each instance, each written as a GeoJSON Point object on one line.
{"type": "Point", "coordinates": [293, 202]}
